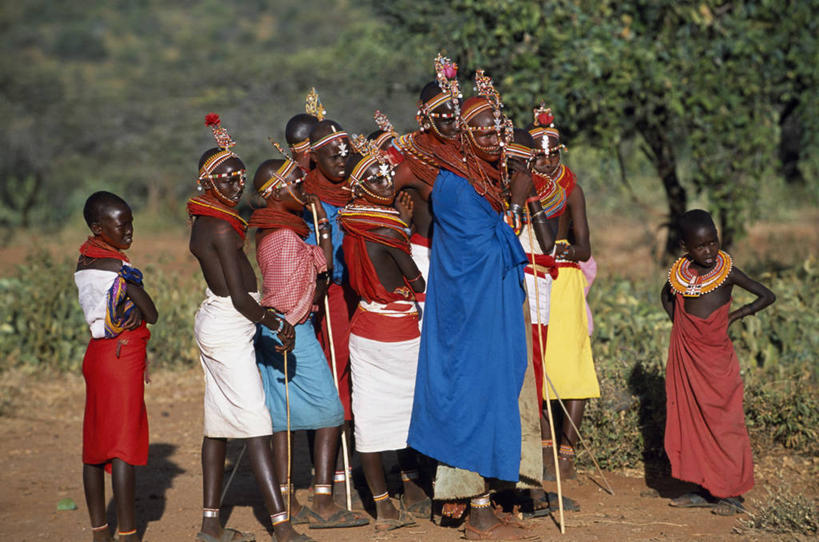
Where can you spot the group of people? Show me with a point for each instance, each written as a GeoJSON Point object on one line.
{"type": "Point", "coordinates": [423, 293]}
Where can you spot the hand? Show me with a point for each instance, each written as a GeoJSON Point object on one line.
{"type": "Point", "coordinates": [565, 252]}
{"type": "Point", "coordinates": [738, 314]}
{"type": "Point", "coordinates": [403, 203]}
{"type": "Point", "coordinates": [134, 319]}
{"type": "Point", "coordinates": [147, 374]}
{"type": "Point", "coordinates": [314, 200]}
{"type": "Point", "coordinates": [521, 187]}
{"type": "Point", "coordinates": [287, 335]}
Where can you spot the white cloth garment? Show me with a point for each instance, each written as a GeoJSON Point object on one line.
{"type": "Point", "coordinates": [92, 287]}
{"type": "Point", "coordinates": [383, 377]}
{"type": "Point", "coordinates": [544, 290]}
{"type": "Point", "coordinates": [234, 396]}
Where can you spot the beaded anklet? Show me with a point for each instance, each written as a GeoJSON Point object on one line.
{"type": "Point", "coordinates": [480, 502]}
{"type": "Point", "coordinates": [322, 489]}
{"type": "Point", "coordinates": [210, 512]}
{"type": "Point", "coordinates": [100, 528]}
{"type": "Point", "coordinates": [126, 533]}
{"type": "Point", "coordinates": [566, 450]}
{"type": "Point", "coordinates": [278, 519]}
{"type": "Point", "coordinates": [546, 443]}
{"type": "Point", "coordinates": [383, 497]}
{"type": "Point", "coordinates": [409, 475]}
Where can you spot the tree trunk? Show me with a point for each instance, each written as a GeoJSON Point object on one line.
{"type": "Point", "coordinates": [790, 143]}
{"type": "Point", "coordinates": [661, 153]}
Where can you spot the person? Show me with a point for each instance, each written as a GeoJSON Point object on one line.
{"type": "Point", "coordinates": [476, 269]}
{"type": "Point", "coordinates": [329, 150]}
{"type": "Point", "coordinates": [295, 276]}
{"type": "Point", "coordinates": [384, 333]}
{"type": "Point", "coordinates": [298, 128]}
{"type": "Point", "coordinates": [705, 435]}
{"type": "Point", "coordinates": [568, 362]}
{"type": "Point", "coordinates": [117, 309]}
{"type": "Point", "coordinates": [224, 327]}
{"type": "Point", "coordinates": [417, 156]}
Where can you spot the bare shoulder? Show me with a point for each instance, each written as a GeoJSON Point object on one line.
{"type": "Point", "coordinates": [209, 234]}
{"type": "Point", "coordinates": [103, 264]}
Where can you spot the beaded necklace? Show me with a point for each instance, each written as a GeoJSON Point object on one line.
{"type": "Point", "coordinates": [687, 282]}
{"type": "Point", "coordinates": [552, 196]}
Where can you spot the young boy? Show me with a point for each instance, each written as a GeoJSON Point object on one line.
{"type": "Point", "coordinates": [384, 334]}
{"type": "Point", "coordinates": [117, 309]}
{"type": "Point", "coordinates": [705, 435]}
{"type": "Point", "coordinates": [224, 328]}
{"type": "Point", "coordinates": [568, 358]}
{"type": "Point", "coordinates": [291, 269]}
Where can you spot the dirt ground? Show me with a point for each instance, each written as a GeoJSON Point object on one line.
{"type": "Point", "coordinates": [41, 450]}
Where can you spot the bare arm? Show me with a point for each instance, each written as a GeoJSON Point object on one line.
{"type": "Point", "coordinates": [764, 296]}
{"type": "Point", "coordinates": [143, 302]}
{"type": "Point", "coordinates": [580, 250]}
{"type": "Point", "coordinates": [540, 225]}
{"type": "Point", "coordinates": [226, 244]}
{"type": "Point", "coordinates": [408, 268]}
{"type": "Point", "coordinates": [667, 299]}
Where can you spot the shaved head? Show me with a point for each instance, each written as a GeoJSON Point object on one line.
{"type": "Point", "coordinates": [99, 204]}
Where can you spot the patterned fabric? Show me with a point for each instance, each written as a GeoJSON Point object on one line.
{"type": "Point", "coordinates": [118, 307]}
{"type": "Point", "coordinates": [289, 267]}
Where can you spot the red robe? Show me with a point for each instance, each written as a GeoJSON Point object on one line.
{"type": "Point", "coordinates": [705, 435]}
{"type": "Point", "coordinates": [115, 424]}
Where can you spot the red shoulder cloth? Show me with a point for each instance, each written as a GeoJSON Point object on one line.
{"type": "Point", "coordinates": [360, 224]}
{"type": "Point", "coordinates": [566, 178]}
{"type": "Point", "coordinates": [208, 205]}
{"type": "Point", "coordinates": [269, 220]}
{"type": "Point", "coordinates": [97, 248]}
{"type": "Point", "coordinates": [329, 192]}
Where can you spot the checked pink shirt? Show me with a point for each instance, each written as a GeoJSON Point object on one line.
{"type": "Point", "coordinates": [289, 267]}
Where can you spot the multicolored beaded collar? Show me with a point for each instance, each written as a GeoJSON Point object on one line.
{"type": "Point", "coordinates": [685, 281]}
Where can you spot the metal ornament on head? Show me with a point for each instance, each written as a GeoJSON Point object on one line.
{"type": "Point", "coordinates": [313, 105]}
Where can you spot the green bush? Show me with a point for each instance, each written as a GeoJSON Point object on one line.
{"type": "Point", "coordinates": [42, 325]}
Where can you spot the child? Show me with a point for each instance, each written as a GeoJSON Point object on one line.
{"type": "Point", "coordinates": [384, 334]}
{"type": "Point", "coordinates": [568, 358]}
{"type": "Point", "coordinates": [117, 309]}
{"type": "Point", "coordinates": [705, 435]}
{"type": "Point", "coordinates": [224, 327]}
{"type": "Point", "coordinates": [290, 270]}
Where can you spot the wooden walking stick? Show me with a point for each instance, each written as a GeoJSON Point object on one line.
{"type": "Point", "coordinates": [287, 408]}
{"type": "Point", "coordinates": [543, 360]}
{"type": "Point", "coordinates": [344, 452]}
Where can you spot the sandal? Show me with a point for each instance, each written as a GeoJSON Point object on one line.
{"type": "Point", "coordinates": [228, 535]}
{"type": "Point", "coordinates": [728, 507]}
{"type": "Point", "coordinates": [498, 531]}
{"type": "Point", "coordinates": [691, 500]}
{"type": "Point", "coordinates": [405, 519]}
{"type": "Point", "coordinates": [510, 519]}
{"type": "Point", "coordinates": [338, 520]}
{"type": "Point", "coordinates": [421, 509]}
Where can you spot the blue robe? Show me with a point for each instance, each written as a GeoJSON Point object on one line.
{"type": "Point", "coordinates": [473, 344]}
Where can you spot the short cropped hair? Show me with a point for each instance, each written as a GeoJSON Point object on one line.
{"type": "Point", "coordinates": [689, 221]}
{"type": "Point", "coordinates": [98, 204]}
{"type": "Point", "coordinates": [298, 128]}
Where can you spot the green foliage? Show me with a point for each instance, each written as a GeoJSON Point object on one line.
{"type": "Point", "coordinates": [784, 511]}
{"type": "Point", "coordinates": [42, 325]}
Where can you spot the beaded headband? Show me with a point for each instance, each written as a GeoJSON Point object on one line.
{"type": "Point", "coordinates": [474, 108]}
{"type": "Point", "coordinates": [313, 106]}
{"type": "Point", "coordinates": [383, 138]}
{"type": "Point", "coordinates": [280, 176]}
{"type": "Point", "coordinates": [223, 141]}
{"type": "Point", "coordinates": [301, 146]}
{"type": "Point", "coordinates": [332, 136]}
{"type": "Point", "coordinates": [371, 155]}
{"type": "Point", "coordinates": [446, 73]}
{"type": "Point", "coordinates": [516, 150]}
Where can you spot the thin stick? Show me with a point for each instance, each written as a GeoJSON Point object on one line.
{"type": "Point", "coordinates": [344, 453]}
{"type": "Point", "coordinates": [233, 473]}
{"type": "Point", "coordinates": [579, 436]}
{"type": "Point", "coordinates": [543, 360]}
{"type": "Point", "coordinates": [287, 404]}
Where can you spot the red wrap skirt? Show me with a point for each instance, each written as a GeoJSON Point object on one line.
{"type": "Point", "coordinates": [115, 424]}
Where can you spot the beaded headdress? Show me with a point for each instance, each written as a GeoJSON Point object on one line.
{"type": "Point", "coordinates": [370, 155]}
{"type": "Point", "coordinates": [313, 106]}
{"type": "Point", "coordinates": [332, 136]}
{"type": "Point", "coordinates": [544, 127]}
{"type": "Point", "coordinates": [279, 177]}
{"type": "Point", "coordinates": [446, 73]}
{"type": "Point", "coordinates": [224, 142]}
{"type": "Point", "coordinates": [386, 127]}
